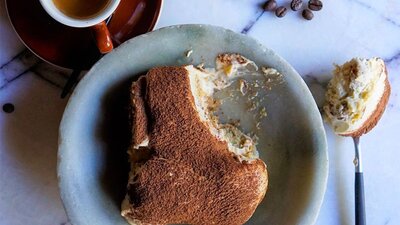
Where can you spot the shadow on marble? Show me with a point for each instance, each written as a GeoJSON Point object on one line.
{"type": "Point", "coordinates": [35, 144]}
{"type": "Point", "coordinates": [29, 140]}
{"type": "Point", "coordinates": [317, 85]}
{"type": "Point", "coordinates": [340, 183]}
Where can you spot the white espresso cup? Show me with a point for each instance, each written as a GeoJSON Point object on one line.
{"type": "Point", "coordinates": [96, 21]}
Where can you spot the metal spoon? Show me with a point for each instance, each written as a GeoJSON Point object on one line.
{"type": "Point", "coordinates": [359, 175]}
{"type": "Point", "coordinates": [359, 184]}
{"type": "Point", "coordinates": [353, 69]}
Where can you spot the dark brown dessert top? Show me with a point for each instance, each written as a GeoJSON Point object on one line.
{"type": "Point", "coordinates": [191, 177]}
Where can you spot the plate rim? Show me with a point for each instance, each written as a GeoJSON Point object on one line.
{"type": "Point", "coordinates": [320, 127]}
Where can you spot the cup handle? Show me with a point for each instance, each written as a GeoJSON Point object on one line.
{"type": "Point", "coordinates": [103, 37]}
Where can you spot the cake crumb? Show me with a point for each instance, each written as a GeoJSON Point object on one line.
{"type": "Point", "coordinates": [228, 69]}
{"type": "Point", "coordinates": [263, 113]}
{"type": "Point", "coordinates": [200, 66]}
{"type": "Point", "coordinates": [243, 86]}
{"type": "Point", "coordinates": [268, 70]}
{"type": "Point", "coordinates": [233, 122]}
{"type": "Point", "coordinates": [189, 53]}
{"type": "Point", "coordinates": [273, 77]}
{"type": "Point", "coordinates": [252, 106]}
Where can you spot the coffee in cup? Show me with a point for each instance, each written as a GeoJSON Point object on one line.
{"type": "Point", "coordinates": [84, 13]}
{"type": "Point", "coordinates": [81, 9]}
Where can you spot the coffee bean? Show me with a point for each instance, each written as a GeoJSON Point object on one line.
{"type": "Point", "coordinates": [307, 14]}
{"type": "Point", "coordinates": [296, 5]}
{"type": "Point", "coordinates": [270, 5]}
{"type": "Point", "coordinates": [280, 11]}
{"type": "Point", "coordinates": [8, 108]}
{"type": "Point", "coordinates": [315, 5]}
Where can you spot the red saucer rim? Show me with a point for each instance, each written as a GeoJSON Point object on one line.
{"type": "Point", "coordinates": [154, 22]}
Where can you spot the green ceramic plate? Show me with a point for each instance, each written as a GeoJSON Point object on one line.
{"type": "Point", "coordinates": [94, 135]}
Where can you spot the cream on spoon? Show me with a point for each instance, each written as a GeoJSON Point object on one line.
{"type": "Point", "coordinates": [356, 98]}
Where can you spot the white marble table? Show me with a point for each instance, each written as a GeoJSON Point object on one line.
{"type": "Point", "coordinates": [342, 30]}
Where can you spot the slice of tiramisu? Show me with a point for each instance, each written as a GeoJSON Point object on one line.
{"type": "Point", "coordinates": [357, 96]}
{"type": "Point", "coordinates": [186, 167]}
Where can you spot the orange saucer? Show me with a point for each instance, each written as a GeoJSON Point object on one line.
{"type": "Point", "coordinates": [75, 48]}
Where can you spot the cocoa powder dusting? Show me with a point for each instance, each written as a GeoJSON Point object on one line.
{"type": "Point", "coordinates": [191, 176]}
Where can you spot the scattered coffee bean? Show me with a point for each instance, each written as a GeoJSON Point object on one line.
{"type": "Point", "coordinates": [307, 14]}
{"type": "Point", "coordinates": [270, 5]}
{"type": "Point", "coordinates": [315, 5]}
{"type": "Point", "coordinates": [280, 11]}
{"type": "Point", "coordinates": [8, 108]}
{"type": "Point", "coordinates": [296, 5]}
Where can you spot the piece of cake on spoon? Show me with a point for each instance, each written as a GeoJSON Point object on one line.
{"type": "Point", "coordinates": [356, 98]}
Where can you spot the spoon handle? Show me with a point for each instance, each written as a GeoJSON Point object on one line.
{"type": "Point", "coordinates": [359, 185]}
{"type": "Point", "coordinates": [359, 199]}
